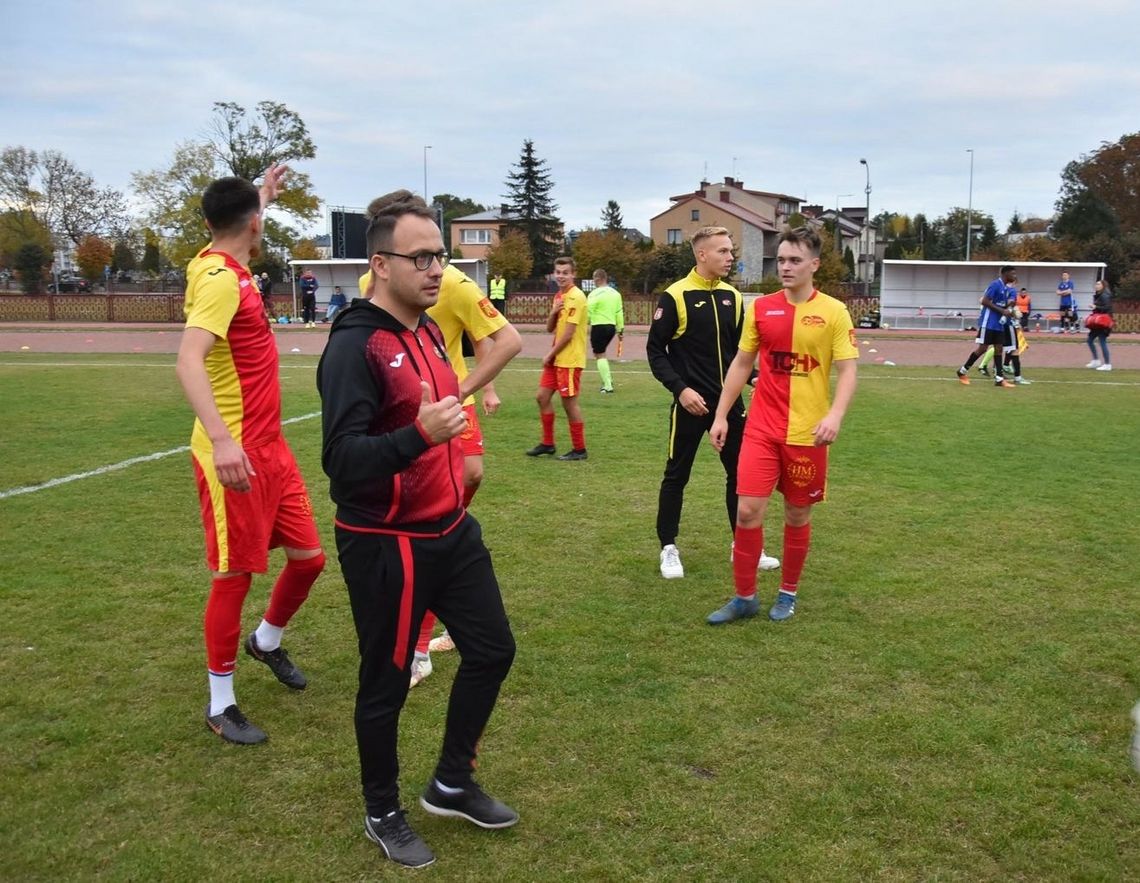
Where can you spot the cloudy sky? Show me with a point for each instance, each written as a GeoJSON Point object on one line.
{"type": "Point", "coordinates": [624, 99]}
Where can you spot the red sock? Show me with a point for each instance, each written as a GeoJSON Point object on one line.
{"type": "Point", "coordinates": [292, 588]}
{"type": "Point", "coordinates": [548, 428]}
{"type": "Point", "coordinates": [797, 541]}
{"type": "Point", "coordinates": [747, 543]}
{"type": "Point", "coordinates": [578, 436]}
{"type": "Point", "coordinates": [223, 621]}
{"type": "Point", "coordinates": [425, 632]}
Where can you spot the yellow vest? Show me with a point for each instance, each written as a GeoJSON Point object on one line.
{"type": "Point", "coordinates": [498, 289]}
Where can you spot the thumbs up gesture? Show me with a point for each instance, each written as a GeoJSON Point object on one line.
{"type": "Point", "coordinates": [441, 420]}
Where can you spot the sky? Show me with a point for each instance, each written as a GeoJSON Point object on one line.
{"type": "Point", "coordinates": [625, 99]}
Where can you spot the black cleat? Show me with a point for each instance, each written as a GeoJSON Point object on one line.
{"type": "Point", "coordinates": [540, 450]}
{"type": "Point", "coordinates": [471, 803]}
{"type": "Point", "coordinates": [232, 726]}
{"type": "Point", "coordinates": [400, 843]}
{"type": "Point", "coordinates": [279, 663]}
{"type": "Point", "coordinates": [576, 454]}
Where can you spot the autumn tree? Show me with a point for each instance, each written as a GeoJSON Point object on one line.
{"type": "Point", "coordinates": [511, 256]}
{"type": "Point", "coordinates": [611, 217]}
{"type": "Point", "coordinates": [305, 250]}
{"type": "Point", "coordinates": [532, 208]}
{"type": "Point", "coordinates": [172, 197]}
{"type": "Point", "coordinates": [19, 227]}
{"type": "Point", "coordinates": [66, 201]}
{"type": "Point", "coordinates": [93, 254]}
{"type": "Point", "coordinates": [1111, 177]}
{"type": "Point", "coordinates": [610, 251]}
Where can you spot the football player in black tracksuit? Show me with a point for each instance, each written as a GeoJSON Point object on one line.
{"type": "Point", "coordinates": [391, 420]}
{"type": "Point", "coordinates": [692, 341]}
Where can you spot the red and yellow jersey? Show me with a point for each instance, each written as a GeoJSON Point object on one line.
{"type": "Point", "coordinates": [573, 312]}
{"type": "Point", "coordinates": [797, 345]}
{"type": "Point", "coordinates": [463, 307]}
{"type": "Point", "coordinates": [222, 298]}
{"type": "Point", "coordinates": [364, 282]}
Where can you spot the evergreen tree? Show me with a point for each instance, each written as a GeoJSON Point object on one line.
{"type": "Point", "coordinates": [1014, 223]}
{"type": "Point", "coordinates": [532, 209]}
{"type": "Point", "coordinates": [611, 217]}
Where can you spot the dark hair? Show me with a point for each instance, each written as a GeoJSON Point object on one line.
{"type": "Point", "coordinates": [805, 236]}
{"type": "Point", "coordinates": [1008, 268]}
{"type": "Point", "coordinates": [228, 203]}
{"type": "Point", "coordinates": [383, 213]}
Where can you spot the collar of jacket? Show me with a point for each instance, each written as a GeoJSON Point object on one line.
{"type": "Point", "coordinates": [696, 280]}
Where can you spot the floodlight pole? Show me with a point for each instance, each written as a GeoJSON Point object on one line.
{"type": "Point", "coordinates": [970, 204]}
{"type": "Point", "coordinates": [838, 240]}
{"type": "Point", "coordinates": [868, 259]}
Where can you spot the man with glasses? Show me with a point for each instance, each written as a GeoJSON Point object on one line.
{"type": "Point", "coordinates": [391, 420]}
{"type": "Point", "coordinates": [562, 366]}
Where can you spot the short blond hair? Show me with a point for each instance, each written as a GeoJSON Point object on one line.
{"type": "Point", "coordinates": [707, 233]}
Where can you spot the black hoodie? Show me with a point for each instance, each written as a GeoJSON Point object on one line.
{"type": "Point", "coordinates": [384, 473]}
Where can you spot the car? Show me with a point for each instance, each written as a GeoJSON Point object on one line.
{"type": "Point", "coordinates": [70, 284]}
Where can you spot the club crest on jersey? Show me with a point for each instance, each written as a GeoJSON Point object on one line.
{"type": "Point", "coordinates": [658, 313]}
{"type": "Point", "coordinates": [571, 312]}
{"type": "Point", "coordinates": [727, 302]}
{"type": "Point", "coordinates": [813, 321]}
{"type": "Point", "coordinates": [488, 309]}
{"type": "Point", "coordinates": [792, 363]}
{"type": "Point", "coordinates": [800, 471]}
{"type": "Point", "coordinates": [851, 337]}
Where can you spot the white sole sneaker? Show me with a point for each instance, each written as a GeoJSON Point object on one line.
{"type": "Point", "coordinates": [1104, 368]}
{"type": "Point", "coordinates": [671, 567]}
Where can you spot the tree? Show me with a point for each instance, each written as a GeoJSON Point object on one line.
{"type": "Point", "coordinates": [92, 255]}
{"type": "Point", "coordinates": [18, 227]}
{"type": "Point", "coordinates": [666, 264]}
{"type": "Point", "coordinates": [1085, 216]}
{"type": "Point", "coordinates": [455, 207]}
{"type": "Point", "coordinates": [511, 256]}
{"type": "Point", "coordinates": [151, 257]}
{"type": "Point", "coordinates": [1111, 177]}
{"type": "Point", "coordinates": [30, 261]}
{"type": "Point", "coordinates": [123, 256]}
{"type": "Point", "coordinates": [173, 198]}
{"type": "Point", "coordinates": [1014, 224]}
{"type": "Point", "coordinates": [848, 263]}
{"type": "Point", "coordinates": [532, 209]}
{"type": "Point", "coordinates": [611, 217]}
{"type": "Point", "coordinates": [57, 195]}
{"type": "Point", "coordinates": [946, 238]}
{"type": "Point", "coordinates": [305, 250]}
{"type": "Point", "coordinates": [610, 251]}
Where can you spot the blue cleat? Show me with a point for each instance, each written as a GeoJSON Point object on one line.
{"type": "Point", "coordinates": [784, 608]}
{"type": "Point", "coordinates": [737, 608]}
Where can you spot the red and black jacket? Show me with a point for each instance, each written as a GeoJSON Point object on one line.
{"type": "Point", "coordinates": [384, 473]}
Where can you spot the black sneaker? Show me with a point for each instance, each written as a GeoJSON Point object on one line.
{"type": "Point", "coordinates": [471, 804]}
{"type": "Point", "coordinates": [576, 454]}
{"type": "Point", "coordinates": [539, 450]}
{"type": "Point", "coordinates": [279, 663]}
{"type": "Point", "coordinates": [400, 843]}
{"type": "Point", "coordinates": [232, 726]}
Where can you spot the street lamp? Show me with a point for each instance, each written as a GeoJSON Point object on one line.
{"type": "Point", "coordinates": [867, 256]}
{"type": "Point", "coordinates": [427, 147]}
{"type": "Point", "coordinates": [838, 247]}
{"type": "Point", "coordinates": [970, 203]}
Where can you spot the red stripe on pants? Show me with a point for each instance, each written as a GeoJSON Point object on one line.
{"type": "Point", "coordinates": [407, 596]}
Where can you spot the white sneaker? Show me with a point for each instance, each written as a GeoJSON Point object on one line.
{"type": "Point", "coordinates": [441, 644]}
{"type": "Point", "coordinates": [421, 668]}
{"type": "Point", "coordinates": [1095, 363]}
{"type": "Point", "coordinates": [766, 562]}
{"type": "Point", "coordinates": [1104, 368]}
{"type": "Point", "coordinates": [671, 563]}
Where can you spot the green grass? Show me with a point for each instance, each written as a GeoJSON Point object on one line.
{"type": "Point", "coordinates": [950, 701]}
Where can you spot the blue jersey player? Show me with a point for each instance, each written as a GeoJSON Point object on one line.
{"type": "Point", "coordinates": [996, 314]}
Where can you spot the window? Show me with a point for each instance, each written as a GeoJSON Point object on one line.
{"type": "Point", "coordinates": [673, 237]}
{"type": "Point", "coordinates": [475, 237]}
{"type": "Point", "coordinates": [695, 215]}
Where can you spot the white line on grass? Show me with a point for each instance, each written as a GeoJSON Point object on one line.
{"type": "Point", "coordinates": [123, 464]}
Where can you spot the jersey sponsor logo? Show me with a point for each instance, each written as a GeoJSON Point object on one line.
{"type": "Point", "coordinates": [800, 471]}
{"type": "Point", "coordinates": [774, 313]}
{"type": "Point", "coordinates": [792, 363]}
{"type": "Point", "coordinates": [215, 272]}
{"type": "Point", "coordinates": [488, 308]}
{"type": "Point", "coordinates": [397, 362]}
{"type": "Point", "coordinates": [244, 283]}
{"type": "Point", "coordinates": [813, 321]}
{"type": "Point", "coordinates": [699, 303]}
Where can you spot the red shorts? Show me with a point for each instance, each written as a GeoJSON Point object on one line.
{"type": "Point", "coordinates": [799, 472]}
{"type": "Point", "coordinates": [472, 437]}
{"type": "Point", "coordinates": [276, 511]}
{"type": "Point", "coordinates": [568, 381]}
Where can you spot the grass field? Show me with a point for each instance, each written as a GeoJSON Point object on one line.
{"type": "Point", "coordinates": [949, 703]}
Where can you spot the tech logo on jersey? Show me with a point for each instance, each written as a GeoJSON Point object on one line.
{"type": "Point", "coordinates": [398, 361]}
{"type": "Point", "coordinates": [800, 364]}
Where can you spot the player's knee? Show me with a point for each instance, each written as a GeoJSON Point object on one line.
{"type": "Point", "coordinates": [797, 516]}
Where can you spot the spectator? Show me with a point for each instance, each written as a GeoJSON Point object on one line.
{"type": "Point", "coordinates": [1024, 303]}
{"type": "Point", "coordinates": [499, 293]}
{"type": "Point", "coordinates": [309, 286]}
{"type": "Point", "coordinates": [1100, 326]}
{"type": "Point", "coordinates": [1067, 305]}
{"type": "Point", "coordinates": [336, 303]}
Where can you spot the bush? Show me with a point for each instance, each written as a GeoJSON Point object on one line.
{"type": "Point", "coordinates": [30, 262]}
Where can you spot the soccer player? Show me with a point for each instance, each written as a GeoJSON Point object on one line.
{"type": "Point", "coordinates": [607, 318]}
{"type": "Point", "coordinates": [1068, 305]}
{"type": "Point", "coordinates": [562, 366]}
{"type": "Point", "coordinates": [1013, 344]}
{"type": "Point", "coordinates": [392, 417]}
{"type": "Point", "coordinates": [799, 333]}
{"type": "Point", "coordinates": [251, 492]}
{"type": "Point", "coordinates": [692, 340]}
{"type": "Point", "coordinates": [995, 314]}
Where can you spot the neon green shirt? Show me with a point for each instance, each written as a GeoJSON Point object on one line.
{"type": "Point", "coordinates": [603, 306]}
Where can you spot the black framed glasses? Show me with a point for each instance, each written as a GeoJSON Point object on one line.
{"type": "Point", "coordinates": [421, 259]}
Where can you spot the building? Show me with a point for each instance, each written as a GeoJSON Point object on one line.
{"type": "Point", "coordinates": [755, 218]}
{"type": "Point", "coordinates": [475, 235]}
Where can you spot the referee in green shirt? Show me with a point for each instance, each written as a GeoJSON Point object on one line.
{"type": "Point", "coordinates": [604, 310]}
